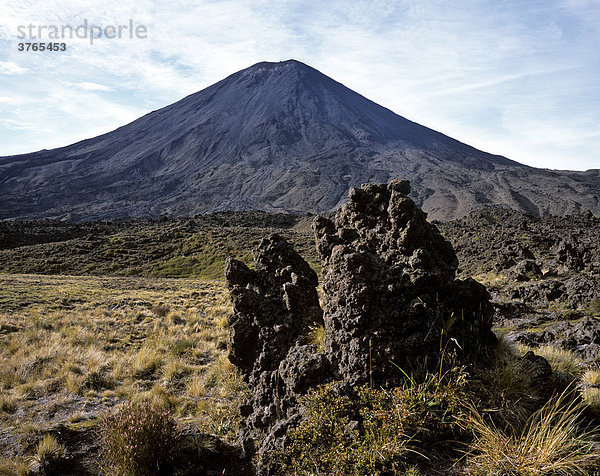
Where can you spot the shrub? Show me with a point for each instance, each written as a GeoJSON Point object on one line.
{"type": "Point", "coordinates": [140, 439]}
{"type": "Point", "coordinates": [552, 443]}
{"type": "Point", "coordinates": [371, 431]}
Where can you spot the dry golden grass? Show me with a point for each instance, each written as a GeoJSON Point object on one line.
{"type": "Point", "coordinates": [590, 389]}
{"type": "Point", "coordinates": [491, 279]}
{"type": "Point", "coordinates": [591, 397]}
{"type": "Point", "coordinates": [317, 337]}
{"type": "Point", "coordinates": [551, 443]}
{"type": "Point", "coordinates": [71, 348]}
{"type": "Point", "coordinates": [19, 466]}
{"type": "Point", "coordinates": [561, 360]}
{"type": "Point", "coordinates": [591, 377]}
{"type": "Point", "coordinates": [48, 450]}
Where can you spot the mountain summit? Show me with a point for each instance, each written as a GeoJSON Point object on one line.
{"type": "Point", "coordinates": [277, 137]}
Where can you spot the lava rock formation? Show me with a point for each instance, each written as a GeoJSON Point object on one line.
{"type": "Point", "coordinates": [391, 302]}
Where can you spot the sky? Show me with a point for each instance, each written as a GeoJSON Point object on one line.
{"type": "Point", "coordinates": [515, 78]}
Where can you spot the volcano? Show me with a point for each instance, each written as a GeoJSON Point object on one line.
{"type": "Point", "coordinates": [279, 137]}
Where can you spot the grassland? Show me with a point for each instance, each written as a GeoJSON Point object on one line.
{"type": "Point", "coordinates": [72, 348]}
{"type": "Point", "coordinates": [97, 314]}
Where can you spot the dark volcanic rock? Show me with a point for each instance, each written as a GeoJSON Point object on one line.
{"type": "Point", "coordinates": [526, 270]}
{"type": "Point", "coordinates": [571, 254]}
{"type": "Point", "coordinates": [511, 255]}
{"type": "Point", "coordinates": [496, 239]}
{"type": "Point", "coordinates": [390, 294]}
{"type": "Point", "coordinates": [538, 370]}
{"type": "Point", "coordinates": [541, 261]}
{"type": "Point", "coordinates": [275, 307]}
{"type": "Point", "coordinates": [392, 302]}
{"type": "Point", "coordinates": [582, 337]}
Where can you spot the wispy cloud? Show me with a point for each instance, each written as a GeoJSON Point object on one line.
{"type": "Point", "coordinates": [515, 78]}
{"type": "Point", "coordinates": [91, 86]}
{"type": "Point", "coordinates": [15, 125]}
{"type": "Point", "coordinates": [9, 67]}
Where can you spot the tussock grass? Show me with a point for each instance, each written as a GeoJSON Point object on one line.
{"type": "Point", "coordinates": [48, 453]}
{"type": "Point", "coordinates": [19, 466]}
{"type": "Point", "coordinates": [591, 377]}
{"type": "Point", "coordinates": [8, 403]}
{"type": "Point", "coordinates": [77, 346]}
{"type": "Point", "coordinates": [551, 443]}
{"type": "Point", "coordinates": [562, 360]}
{"type": "Point", "coordinates": [146, 362]}
{"type": "Point", "coordinates": [507, 389]}
{"type": "Point", "coordinates": [590, 389]}
{"type": "Point", "coordinates": [591, 397]}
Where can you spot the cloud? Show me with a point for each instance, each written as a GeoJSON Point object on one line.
{"type": "Point", "coordinates": [91, 86]}
{"type": "Point", "coordinates": [8, 100]}
{"type": "Point", "coordinates": [8, 67]}
{"type": "Point", "coordinates": [15, 125]}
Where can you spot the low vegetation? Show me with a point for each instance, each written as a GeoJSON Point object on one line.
{"type": "Point", "coordinates": [508, 391]}
{"type": "Point", "coordinates": [374, 431]}
{"type": "Point", "coordinates": [441, 423]}
{"type": "Point", "coordinates": [562, 360]}
{"type": "Point", "coordinates": [140, 439]}
{"type": "Point", "coordinates": [552, 442]}
{"type": "Point", "coordinates": [49, 453]}
{"type": "Point", "coordinates": [172, 248]}
{"type": "Point", "coordinates": [72, 349]}
{"type": "Point", "coordinates": [82, 353]}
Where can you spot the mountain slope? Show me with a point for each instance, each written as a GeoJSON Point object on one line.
{"type": "Point", "coordinates": [277, 137]}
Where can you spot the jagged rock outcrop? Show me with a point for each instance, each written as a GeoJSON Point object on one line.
{"type": "Point", "coordinates": [391, 302]}
{"type": "Point", "coordinates": [526, 270]}
{"type": "Point", "coordinates": [275, 307]}
{"type": "Point", "coordinates": [391, 299]}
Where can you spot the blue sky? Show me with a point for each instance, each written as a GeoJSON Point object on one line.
{"type": "Point", "coordinates": [516, 78]}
